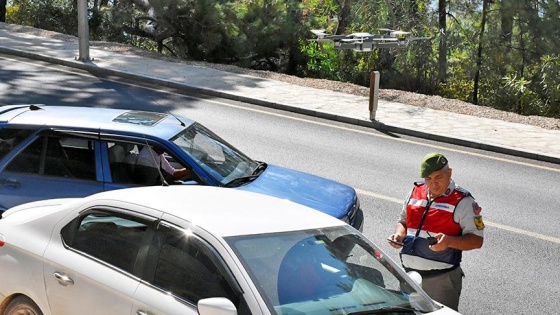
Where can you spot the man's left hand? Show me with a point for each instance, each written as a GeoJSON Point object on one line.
{"type": "Point", "coordinates": [441, 243]}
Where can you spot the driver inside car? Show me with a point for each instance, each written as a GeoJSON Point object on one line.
{"type": "Point", "coordinates": [152, 166]}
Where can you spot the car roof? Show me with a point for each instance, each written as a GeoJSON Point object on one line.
{"type": "Point", "coordinates": [221, 211]}
{"type": "Point", "coordinates": [163, 125]}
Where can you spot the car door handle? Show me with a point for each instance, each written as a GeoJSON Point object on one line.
{"type": "Point", "coordinates": [63, 279]}
{"type": "Point", "coordinates": [9, 182]}
{"type": "Point", "coordinates": [140, 312]}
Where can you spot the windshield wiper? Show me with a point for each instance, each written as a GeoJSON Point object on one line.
{"type": "Point", "coordinates": [240, 180]}
{"type": "Point", "coordinates": [387, 310]}
{"type": "Point", "coordinates": [261, 166]}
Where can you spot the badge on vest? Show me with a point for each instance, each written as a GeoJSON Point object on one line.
{"type": "Point", "coordinates": [478, 222]}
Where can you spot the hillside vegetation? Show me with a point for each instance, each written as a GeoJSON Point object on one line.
{"type": "Point", "coordinates": [502, 54]}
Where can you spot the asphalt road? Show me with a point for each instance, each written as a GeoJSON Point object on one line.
{"type": "Point", "coordinates": [514, 273]}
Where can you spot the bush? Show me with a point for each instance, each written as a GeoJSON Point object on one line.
{"type": "Point", "coordinates": [549, 84]}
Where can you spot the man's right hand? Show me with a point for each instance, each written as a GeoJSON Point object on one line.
{"type": "Point", "coordinates": [395, 240]}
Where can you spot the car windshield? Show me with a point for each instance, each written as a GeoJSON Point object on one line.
{"type": "Point", "coordinates": [218, 158]}
{"type": "Point", "coordinates": [327, 271]}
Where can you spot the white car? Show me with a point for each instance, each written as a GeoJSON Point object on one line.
{"type": "Point", "coordinates": [201, 250]}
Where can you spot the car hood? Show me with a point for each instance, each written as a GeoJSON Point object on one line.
{"type": "Point", "coordinates": [313, 191]}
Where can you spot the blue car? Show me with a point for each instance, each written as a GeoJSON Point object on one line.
{"type": "Point", "coordinates": [59, 151]}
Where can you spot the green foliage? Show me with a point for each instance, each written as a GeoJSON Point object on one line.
{"type": "Point", "coordinates": [548, 88]}
{"type": "Point", "coordinates": [20, 12]}
{"type": "Point", "coordinates": [518, 90]}
{"type": "Point", "coordinates": [321, 14]}
{"type": "Point", "coordinates": [540, 96]}
{"type": "Point", "coordinates": [272, 31]}
{"type": "Point", "coordinates": [106, 23]}
{"type": "Point", "coordinates": [53, 15]}
{"type": "Point", "coordinates": [322, 61]}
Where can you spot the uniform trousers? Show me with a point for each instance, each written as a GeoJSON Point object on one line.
{"type": "Point", "coordinates": [445, 288]}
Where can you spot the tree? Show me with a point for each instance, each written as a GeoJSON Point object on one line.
{"type": "Point", "coordinates": [507, 13]}
{"type": "Point", "coordinates": [476, 80]}
{"type": "Point", "coordinates": [442, 23]}
{"type": "Point", "coordinates": [3, 4]}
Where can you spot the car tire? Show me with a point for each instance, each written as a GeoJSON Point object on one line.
{"type": "Point", "coordinates": [22, 305]}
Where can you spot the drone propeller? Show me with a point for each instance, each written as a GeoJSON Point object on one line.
{"type": "Point", "coordinates": [401, 33]}
{"type": "Point", "coordinates": [318, 31]}
{"type": "Point", "coordinates": [384, 39]}
{"type": "Point", "coordinates": [419, 38]}
{"type": "Point", "coordinates": [360, 35]}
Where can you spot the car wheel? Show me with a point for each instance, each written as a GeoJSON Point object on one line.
{"type": "Point", "coordinates": [22, 305]}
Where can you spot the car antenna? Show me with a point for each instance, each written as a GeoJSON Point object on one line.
{"type": "Point", "coordinates": [179, 120]}
{"type": "Point", "coordinates": [167, 111]}
{"type": "Point", "coordinates": [31, 107]}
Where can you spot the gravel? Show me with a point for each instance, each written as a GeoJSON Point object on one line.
{"type": "Point", "coordinates": [410, 98]}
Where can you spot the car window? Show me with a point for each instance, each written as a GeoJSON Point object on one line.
{"type": "Point", "coordinates": [318, 271]}
{"type": "Point", "coordinates": [10, 138]}
{"type": "Point", "coordinates": [57, 156]}
{"type": "Point", "coordinates": [138, 164]}
{"type": "Point", "coordinates": [217, 157]}
{"type": "Point", "coordinates": [122, 161]}
{"type": "Point", "coordinates": [111, 238]}
{"type": "Point", "coordinates": [185, 268]}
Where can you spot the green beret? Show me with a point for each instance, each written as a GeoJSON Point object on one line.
{"type": "Point", "coordinates": [432, 162]}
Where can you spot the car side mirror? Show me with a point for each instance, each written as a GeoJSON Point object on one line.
{"type": "Point", "coordinates": [414, 275]}
{"type": "Point", "coordinates": [216, 306]}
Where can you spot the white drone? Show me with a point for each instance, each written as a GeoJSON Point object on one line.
{"type": "Point", "coordinates": [364, 42]}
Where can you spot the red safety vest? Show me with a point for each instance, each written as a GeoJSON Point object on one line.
{"type": "Point", "coordinates": [439, 219]}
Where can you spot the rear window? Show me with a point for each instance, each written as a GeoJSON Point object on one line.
{"type": "Point", "coordinates": [56, 156]}
{"type": "Point", "coordinates": [10, 138]}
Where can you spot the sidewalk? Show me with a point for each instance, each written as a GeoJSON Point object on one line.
{"type": "Point", "coordinates": [487, 134]}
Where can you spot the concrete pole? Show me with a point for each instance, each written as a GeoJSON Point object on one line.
{"type": "Point", "coordinates": [373, 93]}
{"type": "Point", "coordinates": [83, 31]}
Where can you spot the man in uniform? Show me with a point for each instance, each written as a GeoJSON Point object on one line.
{"type": "Point", "coordinates": [439, 221]}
